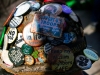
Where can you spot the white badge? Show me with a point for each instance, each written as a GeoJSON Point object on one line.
{"type": "Point", "coordinates": [15, 21]}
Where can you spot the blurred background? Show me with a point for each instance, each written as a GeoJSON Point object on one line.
{"type": "Point", "coordinates": [87, 10]}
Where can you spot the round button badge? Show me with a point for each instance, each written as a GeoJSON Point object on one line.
{"type": "Point", "coordinates": [22, 8]}
{"type": "Point", "coordinates": [83, 62]}
{"type": "Point", "coordinates": [12, 34]}
{"type": "Point", "coordinates": [61, 58]}
{"type": "Point", "coordinates": [15, 21]}
{"type": "Point", "coordinates": [32, 39]}
{"type": "Point", "coordinates": [16, 56]}
{"type": "Point", "coordinates": [91, 54]}
{"type": "Point", "coordinates": [66, 9]}
{"type": "Point", "coordinates": [54, 9]}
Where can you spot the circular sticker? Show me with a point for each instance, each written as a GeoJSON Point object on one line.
{"type": "Point", "coordinates": [16, 56]}
{"type": "Point", "coordinates": [66, 9]}
{"type": "Point", "coordinates": [69, 37]}
{"type": "Point", "coordinates": [15, 21]}
{"type": "Point", "coordinates": [32, 39]}
{"type": "Point", "coordinates": [19, 41]}
{"type": "Point", "coordinates": [91, 54]}
{"type": "Point", "coordinates": [83, 62]}
{"type": "Point", "coordinates": [54, 9]}
{"type": "Point", "coordinates": [22, 8]}
{"type": "Point", "coordinates": [29, 60]}
{"type": "Point", "coordinates": [12, 34]}
{"type": "Point", "coordinates": [73, 16]}
{"type": "Point", "coordinates": [34, 5]}
{"type": "Point", "coordinates": [26, 49]}
{"type": "Point", "coordinates": [61, 58]}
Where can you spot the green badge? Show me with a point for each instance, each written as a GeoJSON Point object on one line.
{"type": "Point", "coordinates": [35, 54]}
{"type": "Point", "coordinates": [26, 49]}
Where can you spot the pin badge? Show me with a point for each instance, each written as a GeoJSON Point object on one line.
{"type": "Point", "coordinates": [16, 21]}
{"type": "Point", "coordinates": [54, 9]}
{"type": "Point", "coordinates": [61, 58]}
{"type": "Point", "coordinates": [47, 48]}
{"type": "Point", "coordinates": [73, 16]}
{"type": "Point", "coordinates": [22, 8]}
{"type": "Point", "coordinates": [12, 34]}
{"type": "Point", "coordinates": [83, 62]}
{"type": "Point", "coordinates": [32, 39]}
{"type": "Point", "coordinates": [19, 41]}
{"type": "Point", "coordinates": [91, 54]}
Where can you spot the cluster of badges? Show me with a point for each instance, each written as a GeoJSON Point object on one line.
{"type": "Point", "coordinates": [38, 34]}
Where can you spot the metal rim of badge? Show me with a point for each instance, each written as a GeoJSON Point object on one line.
{"type": "Point", "coordinates": [32, 39]}
{"type": "Point", "coordinates": [16, 21]}
{"type": "Point", "coordinates": [22, 8]}
{"type": "Point", "coordinates": [89, 53]}
{"type": "Point", "coordinates": [16, 56]}
{"type": "Point", "coordinates": [73, 16]}
{"type": "Point", "coordinates": [83, 62]}
{"type": "Point", "coordinates": [66, 9]}
{"type": "Point", "coordinates": [12, 34]}
{"type": "Point", "coordinates": [55, 9]}
{"type": "Point", "coordinates": [19, 41]}
{"type": "Point", "coordinates": [34, 5]}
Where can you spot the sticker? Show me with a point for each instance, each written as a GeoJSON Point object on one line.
{"type": "Point", "coordinates": [47, 48]}
{"type": "Point", "coordinates": [69, 37]}
{"type": "Point", "coordinates": [73, 16]}
{"type": "Point", "coordinates": [12, 34]}
{"type": "Point", "coordinates": [35, 54]}
{"type": "Point", "coordinates": [48, 25]}
{"type": "Point", "coordinates": [66, 9]}
{"type": "Point", "coordinates": [26, 49]}
{"type": "Point", "coordinates": [15, 21]}
{"type": "Point", "coordinates": [91, 54]}
{"type": "Point", "coordinates": [34, 5]}
{"type": "Point", "coordinates": [22, 8]}
{"type": "Point", "coordinates": [83, 62]}
{"type": "Point", "coordinates": [61, 58]}
{"type": "Point", "coordinates": [19, 41]}
{"type": "Point", "coordinates": [32, 39]}
{"type": "Point", "coordinates": [16, 56]}
{"type": "Point", "coordinates": [54, 9]}
{"type": "Point", "coordinates": [29, 60]}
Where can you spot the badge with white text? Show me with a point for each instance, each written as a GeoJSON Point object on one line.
{"type": "Point", "coordinates": [48, 25]}
{"type": "Point", "coordinates": [61, 58]}
{"type": "Point", "coordinates": [16, 21]}
{"type": "Point", "coordinates": [83, 62]}
{"type": "Point", "coordinates": [32, 39]}
{"type": "Point", "coordinates": [12, 34]}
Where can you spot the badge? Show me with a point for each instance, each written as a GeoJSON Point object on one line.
{"type": "Point", "coordinates": [47, 25]}
{"type": "Point", "coordinates": [16, 56]}
{"type": "Point", "coordinates": [32, 39]}
{"type": "Point", "coordinates": [66, 9]}
{"type": "Point", "coordinates": [29, 60]}
{"type": "Point", "coordinates": [15, 21]}
{"type": "Point", "coordinates": [26, 49]}
{"type": "Point", "coordinates": [54, 9]}
{"type": "Point", "coordinates": [91, 54]}
{"type": "Point", "coordinates": [73, 16]}
{"type": "Point", "coordinates": [12, 34]}
{"type": "Point", "coordinates": [22, 8]}
{"type": "Point", "coordinates": [69, 37]}
{"type": "Point", "coordinates": [19, 41]}
{"type": "Point", "coordinates": [47, 48]}
{"type": "Point", "coordinates": [2, 35]}
{"type": "Point", "coordinates": [34, 5]}
{"type": "Point", "coordinates": [61, 58]}
{"type": "Point", "coordinates": [83, 62]}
